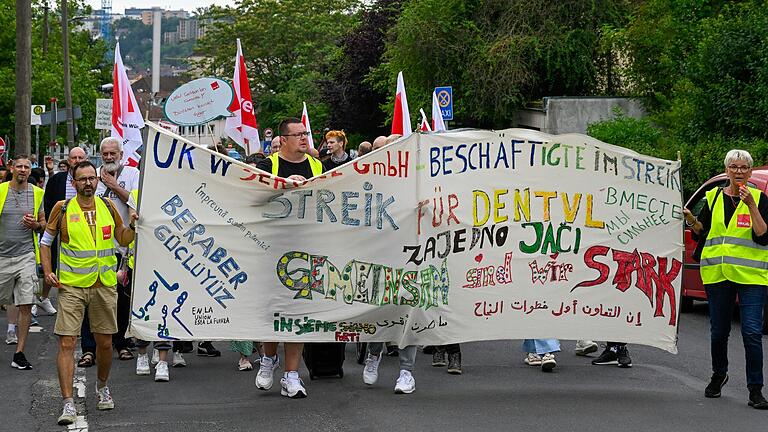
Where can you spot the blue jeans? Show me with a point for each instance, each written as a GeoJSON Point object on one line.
{"type": "Point", "coordinates": [722, 297]}
{"type": "Point", "coordinates": [407, 355]}
{"type": "Point", "coordinates": [541, 346]}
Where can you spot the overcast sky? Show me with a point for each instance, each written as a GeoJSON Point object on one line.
{"type": "Point", "coordinates": [118, 6]}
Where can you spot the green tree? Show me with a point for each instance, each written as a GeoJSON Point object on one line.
{"type": "Point", "coordinates": [287, 45]}
{"type": "Point", "coordinates": [86, 61]}
{"type": "Point", "coordinates": [498, 55]}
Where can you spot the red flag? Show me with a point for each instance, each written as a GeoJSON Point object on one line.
{"type": "Point", "coordinates": [242, 126]}
{"type": "Point", "coordinates": [126, 117]}
{"type": "Point", "coordinates": [424, 126]}
{"type": "Point", "coordinates": [401, 119]}
{"type": "Point", "coordinates": [305, 122]}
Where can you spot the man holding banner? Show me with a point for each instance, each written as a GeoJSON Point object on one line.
{"type": "Point", "coordinates": [291, 162]}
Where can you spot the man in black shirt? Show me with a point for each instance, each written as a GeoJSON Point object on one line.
{"type": "Point", "coordinates": [292, 162]}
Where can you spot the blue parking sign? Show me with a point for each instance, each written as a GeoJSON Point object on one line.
{"type": "Point", "coordinates": [445, 100]}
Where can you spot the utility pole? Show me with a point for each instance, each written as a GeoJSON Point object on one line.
{"type": "Point", "coordinates": [67, 80]}
{"type": "Point", "coordinates": [23, 125]}
{"type": "Point", "coordinates": [45, 28]}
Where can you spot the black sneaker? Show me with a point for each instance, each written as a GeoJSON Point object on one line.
{"type": "Point", "coordinates": [623, 357]}
{"type": "Point", "coordinates": [756, 399]}
{"type": "Point", "coordinates": [608, 357]}
{"type": "Point", "coordinates": [715, 385]}
{"type": "Point", "coordinates": [393, 351]}
{"type": "Point", "coordinates": [438, 358]}
{"type": "Point", "coordinates": [454, 363]}
{"type": "Point", "coordinates": [20, 362]}
{"type": "Point", "coordinates": [206, 349]}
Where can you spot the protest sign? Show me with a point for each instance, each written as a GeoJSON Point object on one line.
{"type": "Point", "coordinates": [434, 239]}
{"type": "Point", "coordinates": [103, 114]}
{"type": "Point", "coordinates": [199, 101]}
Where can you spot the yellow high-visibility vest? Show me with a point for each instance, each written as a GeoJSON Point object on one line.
{"type": "Point", "coordinates": [38, 199]}
{"type": "Point", "coordinates": [314, 164]}
{"type": "Point", "coordinates": [730, 253]}
{"type": "Point", "coordinates": [80, 265]}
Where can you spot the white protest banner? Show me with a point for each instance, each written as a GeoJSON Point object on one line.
{"type": "Point", "coordinates": [104, 114]}
{"type": "Point", "coordinates": [199, 101]}
{"type": "Point", "coordinates": [434, 239]}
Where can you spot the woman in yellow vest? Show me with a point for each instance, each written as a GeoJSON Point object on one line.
{"type": "Point", "coordinates": [734, 262]}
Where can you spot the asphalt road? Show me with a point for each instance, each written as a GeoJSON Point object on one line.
{"type": "Point", "coordinates": [497, 391]}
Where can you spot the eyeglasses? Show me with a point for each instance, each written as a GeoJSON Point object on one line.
{"type": "Point", "coordinates": [299, 135]}
{"type": "Point", "coordinates": [85, 180]}
{"type": "Point", "coordinates": [741, 168]}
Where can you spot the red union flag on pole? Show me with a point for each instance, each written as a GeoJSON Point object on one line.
{"type": "Point", "coordinates": [424, 125]}
{"type": "Point", "coordinates": [401, 119]}
{"type": "Point", "coordinates": [437, 116]}
{"type": "Point", "coordinates": [305, 122]}
{"type": "Point", "coordinates": [242, 126]}
{"type": "Point", "coordinates": [126, 116]}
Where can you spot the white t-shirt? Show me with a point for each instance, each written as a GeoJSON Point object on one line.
{"type": "Point", "coordinates": [128, 180]}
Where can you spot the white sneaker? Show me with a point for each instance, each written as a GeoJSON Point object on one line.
{"type": "Point", "coordinates": [405, 383]}
{"type": "Point", "coordinates": [292, 386]}
{"type": "Point", "coordinates": [68, 414]}
{"type": "Point", "coordinates": [161, 372]}
{"type": "Point", "coordinates": [34, 311]}
{"type": "Point", "coordinates": [155, 357]}
{"type": "Point", "coordinates": [142, 365]}
{"type": "Point", "coordinates": [548, 362]}
{"type": "Point", "coordinates": [178, 360]}
{"type": "Point", "coordinates": [105, 398]}
{"type": "Point", "coordinates": [532, 359]}
{"type": "Point", "coordinates": [47, 306]}
{"type": "Point", "coordinates": [11, 338]}
{"type": "Point", "coordinates": [584, 347]}
{"type": "Point", "coordinates": [371, 370]}
{"type": "Point", "coordinates": [267, 369]}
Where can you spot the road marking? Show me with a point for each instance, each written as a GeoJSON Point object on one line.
{"type": "Point", "coordinates": [79, 384]}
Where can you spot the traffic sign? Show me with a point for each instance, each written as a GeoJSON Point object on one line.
{"type": "Point", "coordinates": [445, 100]}
{"type": "Point", "coordinates": [2, 145]}
{"type": "Point", "coordinates": [37, 110]}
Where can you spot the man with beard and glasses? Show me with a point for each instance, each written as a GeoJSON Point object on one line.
{"type": "Point", "coordinates": [87, 226]}
{"type": "Point", "coordinates": [21, 219]}
{"type": "Point", "coordinates": [115, 183]}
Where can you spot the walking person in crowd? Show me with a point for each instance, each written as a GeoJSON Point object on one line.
{"type": "Point", "coordinates": [21, 220]}
{"type": "Point", "coordinates": [115, 183]}
{"type": "Point", "coordinates": [87, 278]}
{"type": "Point", "coordinates": [453, 352]}
{"type": "Point", "coordinates": [292, 161]}
{"type": "Point", "coordinates": [336, 142]}
{"type": "Point", "coordinates": [734, 262]}
{"type": "Point", "coordinates": [405, 383]}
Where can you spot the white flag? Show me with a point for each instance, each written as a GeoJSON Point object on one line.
{"type": "Point", "coordinates": [437, 116]}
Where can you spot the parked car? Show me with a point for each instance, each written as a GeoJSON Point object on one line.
{"type": "Point", "coordinates": [693, 288]}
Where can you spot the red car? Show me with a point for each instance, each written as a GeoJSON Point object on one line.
{"type": "Point", "coordinates": [693, 288]}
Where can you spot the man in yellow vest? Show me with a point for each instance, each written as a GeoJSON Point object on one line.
{"type": "Point", "coordinates": [86, 225]}
{"type": "Point", "coordinates": [21, 219]}
{"type": "Point", "coordinates": [293, 162]}
{"type": "Point", "coordinates": [734, 262]}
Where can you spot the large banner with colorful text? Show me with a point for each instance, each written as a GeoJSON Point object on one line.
{"type": "Point", "coordinates": [434, 239]}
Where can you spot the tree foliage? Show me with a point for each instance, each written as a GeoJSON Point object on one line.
{"type": "Point", "coordinates": [87, 65]}
{"type": "Point", "coordinates": [287, 45]}
{"type": "Point", "coordinates": [498, 55]}
{"type": "Point", "coordinates": [347, 90]}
